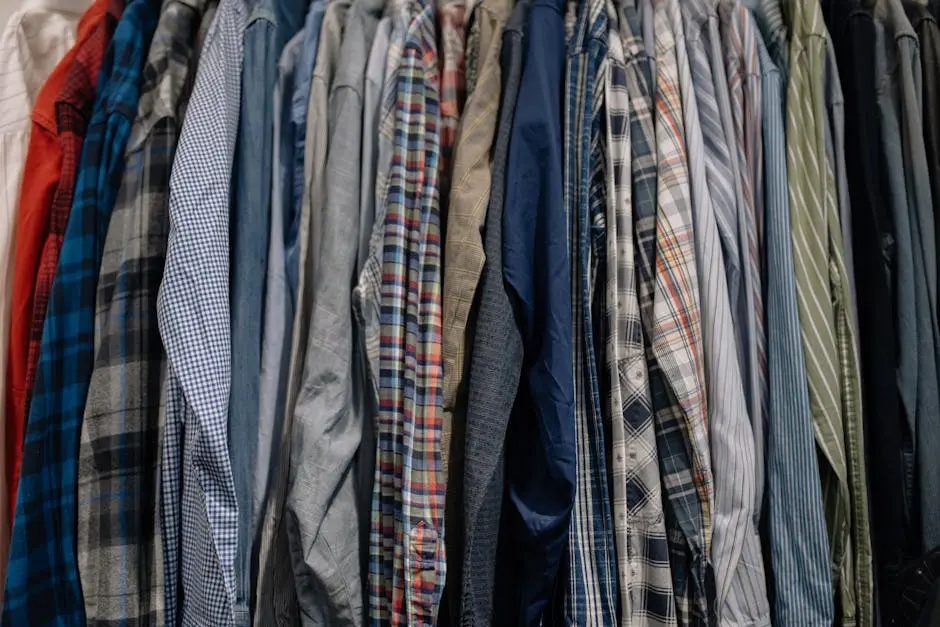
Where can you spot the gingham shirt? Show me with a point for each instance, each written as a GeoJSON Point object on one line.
{"type": "Point", "coordinates": [592, 576]}
{"type": "Point", "coordinates": [670, 312]}
{"type": "Point", "coordinates": [646, 593]}
{"type": "Point", "coordinates": [120, 553]}
{"type": "Point", "coordinates": [406, 544]}
{"type": "Point", "coordinates": [43, 585]}
{"type": "Point", "coordinates": [736, 550]}
{"type": "Point", "coordinates": [198, 507]}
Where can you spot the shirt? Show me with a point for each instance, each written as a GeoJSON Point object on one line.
{"type": "Point", "coordinates": [45, 522]}
{"type": "Point", "coordinates": [827, 327]}
{"type": "Point", "coordinates": [540, 441]}
{"type": "Point", "coordinates": [198, 508]}
{"type": "Point", "coordinates": [802, 580]}
{"type": "Point", "coordinates": [592, 569]}
{"type": "Point", "coordinates": [407, 563]}
{"type": "Point", "coordinates": [493, 374]}
{"type": "Point", "coordinates": [450, 19]}
{"type": "Point", "coordinates": [739, 570]}
{"type": "Point", "coordinates": [669, 292]}
{"type": "Point", "coordinates": [35, 38]}
{"type": "Point", "coordinates": [59, 121]}
{"type": "Point", "coordinates": [121, 564]}
{"type": "Point", "coordinates": [646, 593]}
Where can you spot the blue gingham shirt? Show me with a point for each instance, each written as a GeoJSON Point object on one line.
{"type": "Point", "coordinates": [43, 586]}
{"type": "Point", "coordinates": [199, 511]}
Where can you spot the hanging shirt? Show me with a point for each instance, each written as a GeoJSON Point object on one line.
{"type": "Point", "coordinates": [738, 563]}
{"type": "Point", "coordinates": [198, 508]}
{"type": "Point", "coordinates": [592, 574]}
{"type": "Point", "coordinates": [802, 579]}
{"type": "Point", "coordinates": [540, 442]}
{"type": "Point", "coordinates": [35, 38]}
{"type": "Point", "coordinates": [827, 326]}
{"type": "Point", "coordinates": [494, 369]}
{"type": "Point", "coordinates": [645, 581]}
{"type": "Point", "coordinates": [120, 551]}
{"type": "Point", "coordinates": [43, 544]}
{"type": "Point", "coordinates": [59, 121]}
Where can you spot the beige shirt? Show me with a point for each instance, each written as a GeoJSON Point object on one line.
{"type": "Point", "coordinates": [36, 37]}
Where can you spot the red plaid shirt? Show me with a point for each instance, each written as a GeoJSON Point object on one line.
{"type": "Point", "coordinates": [58, 129]}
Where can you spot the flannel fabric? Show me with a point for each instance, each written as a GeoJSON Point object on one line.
{"type": "Point", "coordinates": [742, 69]}
{"type": "Point", "coordinates": [592, 576]}
{"type": "Point", "coordinates": [198, 508]}
{"type": "Point", "coordinates": [451, 18]}
{"type": "Point", "coordinates": [639, 531]}
{"type": "Point", "coordinates": [670, 312]}
{"type": "Point", "coordinates": [801, 574]}
{"type": "Point", "coordinates": [463, 253]}
{"type": "Point", "coordinates": [43, 546]}
{"type": "Point", "coordinates": [44, 212]}
{"type": "Point", "coordinates": [407, 558]}
{"type": "Point", "coordinates": [741, 596]}
{"type": "Point", "coordinates": [119, 542]}
{"type": "Point", "coordinates": [827, 327]}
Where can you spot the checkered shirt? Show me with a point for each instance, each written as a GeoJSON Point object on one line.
{"type": "Point", "coordinates": [451, 18]}
{"type": "Point", "coordinates": [43, 586]}
{"type": "Point", "coordinates": [646, 593]}
{"type": "Point", "coordinates": [198, 508]}
{"type": "Point", "coordinates": [592, 577]}
{"type": "Point", "coordinates": [120, 550]}
{"type": "Point", "coordinates": [406, 548]}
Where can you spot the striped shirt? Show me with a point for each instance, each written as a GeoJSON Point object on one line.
{"type": "Point", "coordinates": [646, 593]}
{"type": "Point", "coordinates": [739, 572]}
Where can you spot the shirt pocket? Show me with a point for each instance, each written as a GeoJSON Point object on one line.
{"type": "Point", "coordinates": [424, 572]}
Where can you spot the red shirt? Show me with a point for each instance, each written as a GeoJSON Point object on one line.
{"type": "Point", "coordinates": [59, 118]}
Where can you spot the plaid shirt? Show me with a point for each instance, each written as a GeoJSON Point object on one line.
{"type": "Point", "coordinates": [72, 108]}
{"type": "Point", "coordinates": [592, 578]}
{"type": "Point", "coordinates": [119, 543]}
{"type": "Point", "coordinates": [406, 549]}
{"type": "Point", "coordinates": [43, 547]}
{"type": "Point", "coordinates": [198, 508]}
{"type": "Point", "coordinates": [646, 593]}
{"type": "Point", "coordinates": [670, 312]}
{"type": "Point", "coordinates": [450, 22]}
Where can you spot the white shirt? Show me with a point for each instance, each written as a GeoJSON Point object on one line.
{"type": "Point", "coordinates": [36, 37]}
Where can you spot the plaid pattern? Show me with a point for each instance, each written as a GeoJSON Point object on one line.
{"type": "Point", "coordinates": [742, 68]}
{"type": "Point", "coordinates": [43, 583]}
{"type": "Point", "coordinates": [450, 21]}
{"type": "Point", "coordinates": [592, 583]}
{"type": "Point", "coordinates": [73, 108]}
{"type": "Point", "coordinates": [406, 549]}
{"type": "Point", "coordinates": [670, 313]}
{"type": "Point", "coordinates": [646, 593]}
{"type": "Point", "coordinates": [198, 508]}
{"type": "Point", "coordinates": [119, 545]}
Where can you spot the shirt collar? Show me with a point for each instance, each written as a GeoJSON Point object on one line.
{"type": "Point", "coordinates": [64, 6]}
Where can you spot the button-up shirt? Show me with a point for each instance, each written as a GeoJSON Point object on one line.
{"type": "Point", "coordinates": [801, 573]}
{"type": "Point", "coordinates": [121, 562]}
{"type": "Point", "coordinates": [592, 575]}
{"type": "Point", "coordinates": [199, 511]}
{"type": "Point", "coordinates": [669, 293]}
{"type": "Point", "coordinates": [35, 38]}
{"type": "Point", "coordinates": [739, 570]}
{"type": "Point", "coordinates": [494, 372]}
{"type": "Point", "coordinates": [828, 329]}
{"type": "Point", "coordinates": [43, 546]}
{"type": "Point", "coordinates": [646, 593]}
{"type": "Point", "coordinates": [60, 119]}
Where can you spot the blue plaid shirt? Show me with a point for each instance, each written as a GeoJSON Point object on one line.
{"type": "Point", "coordinates": [43, 585]}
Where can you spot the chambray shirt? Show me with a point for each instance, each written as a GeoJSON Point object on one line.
{"type": "Point", "coordinates": [199, 509]}
{"type": "Point", "coordinates": [43, 586]}
{"type": "Point", "coordinates": [120, 550]}
{"type": "Point", "coordinates": [540, 443]}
